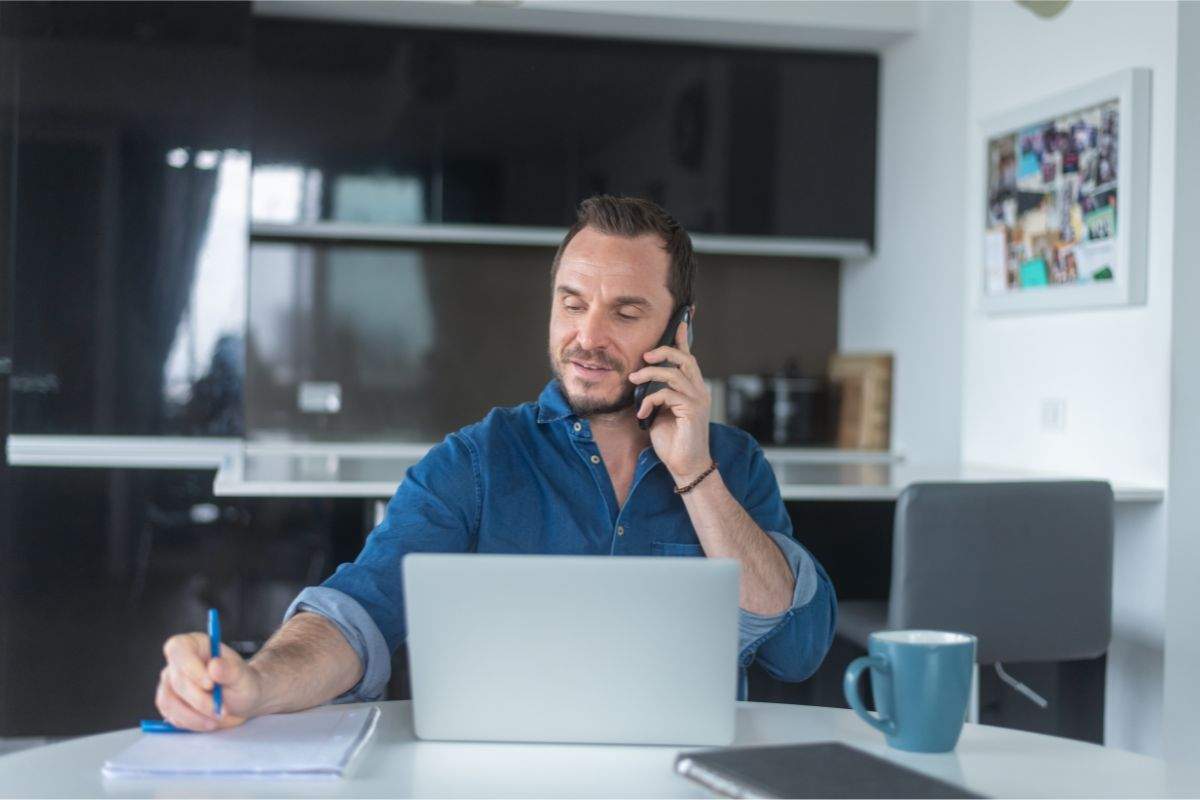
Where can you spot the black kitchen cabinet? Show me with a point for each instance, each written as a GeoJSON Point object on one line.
{"type": "Point", "coordinates": [371, 125]}
{"type": "Point", "coordinates": [653, 122]}
{"type": "Point", "coordinates": [102, 565]}
{"type": "Point", "coordinates": [396, 126]}
{"type": "Point", "coordinates": [129, 228]}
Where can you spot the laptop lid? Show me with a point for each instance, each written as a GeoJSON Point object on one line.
{"type": "Point", "coordinates": [636, 650]}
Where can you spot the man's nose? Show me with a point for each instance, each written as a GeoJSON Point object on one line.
{"type": "Point", "coordinates": [593, 330]}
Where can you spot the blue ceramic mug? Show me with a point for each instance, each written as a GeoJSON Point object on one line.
{"type": "Point", "coordinates": [922, 684]}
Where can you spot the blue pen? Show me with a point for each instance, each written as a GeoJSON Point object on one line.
{"type": "Point", "coordinates": [214, 644]}
{"type": "Point", "coordinates": [160, 726]}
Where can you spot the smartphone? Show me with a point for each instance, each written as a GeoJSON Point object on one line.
{"type": "Point", "coordinates": [682, 314]}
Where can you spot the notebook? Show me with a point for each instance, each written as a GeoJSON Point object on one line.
{"type": "Point", "coordinates": [319, 743]}
{"type": "Point", "coordinates": [823, 769]}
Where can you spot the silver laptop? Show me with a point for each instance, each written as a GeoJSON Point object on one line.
{"type": "Point", "coordinates": [626, 650]}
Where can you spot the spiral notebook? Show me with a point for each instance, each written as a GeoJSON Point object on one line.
{"type": "Point", "coordinates": [319, 743]}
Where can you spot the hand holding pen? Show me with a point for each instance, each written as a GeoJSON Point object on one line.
{"type": "Point", "coordinates": [205, 685]}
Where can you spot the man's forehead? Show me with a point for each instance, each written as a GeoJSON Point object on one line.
{"type": "Point", "coordinates": [613, 284]}
{"type": "Point", "coordinates": [592, 258]}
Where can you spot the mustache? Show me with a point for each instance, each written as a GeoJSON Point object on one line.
{"type": "Point", "coordinates": [588, 357]}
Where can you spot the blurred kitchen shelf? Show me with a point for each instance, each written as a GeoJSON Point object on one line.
{"type": "Point", "coordinates": [366, 233]}
{"type": "Point", "coordinates": [342, 469]}
{"type": "Point", "coordinates": [374, 470]}
{"type": "Point", "coordinates": [139, 452]}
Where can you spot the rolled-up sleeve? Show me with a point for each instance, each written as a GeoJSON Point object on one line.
{"type": "Point", "coordinates": [435, 510]}
{"type": "Point", "coordinates": [789, 646]}
{"type": "Point", "coordinates": [361, 632]}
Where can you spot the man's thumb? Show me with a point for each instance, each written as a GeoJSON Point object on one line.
{"type": "Point", "coordinates": [226, 668]}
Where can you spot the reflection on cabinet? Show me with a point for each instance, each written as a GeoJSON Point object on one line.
{"type": "Point", "coordinates": [397, 126]}
{"type": "Point", "coordinates": [422, 340]}
{"type": "Point", "coordinates": [129, 229]}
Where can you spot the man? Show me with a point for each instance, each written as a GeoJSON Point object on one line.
{"type": "Point", "coordinates": [570, 473]}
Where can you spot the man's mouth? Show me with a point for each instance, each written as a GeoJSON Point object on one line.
{"type": "Point", "coordinates": [590, 370]}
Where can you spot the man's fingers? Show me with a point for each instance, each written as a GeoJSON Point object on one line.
{"type": "Point", "coordinates": [175, 711]}
{"type": "Point", "coordinates": [685, 362]}
{"type": "Point", "coordinates": [190, 692]}
{"type": "Point", "coordinates": [227, 667]}
{"type": "Point", "coordinates": [681, 337]}
{"type": "Point", "coordinates": [184, 653]}
{"type": "Point", "coordinates": [668, 375]}
{"type": "Point", "coordinates": [663, 397]}
{"type": "Point", "coordinates": [224, 670]}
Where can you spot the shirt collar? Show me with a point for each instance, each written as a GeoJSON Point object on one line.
{"type": "Point", "coordinates": [553, 406]}
{"type": "Point", "coordinates": [552, 403]}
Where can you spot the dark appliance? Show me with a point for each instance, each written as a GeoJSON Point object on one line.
{"type": "Point", "coordinates": [780, 410]}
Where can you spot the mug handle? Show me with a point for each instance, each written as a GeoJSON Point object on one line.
{"type": "Point", "coordinates": [882, 723]}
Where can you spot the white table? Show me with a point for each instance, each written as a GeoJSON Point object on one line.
{"type": "Point", "coordinates": [990, 761]}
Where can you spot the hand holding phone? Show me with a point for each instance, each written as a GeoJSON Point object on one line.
{"type": "Point", "coordinates": [682, 314]}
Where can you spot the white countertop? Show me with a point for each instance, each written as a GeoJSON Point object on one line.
{"type": "Point", "coordinates": [995, 762]}
{"type": "Point", "coordinates": [374, 471]}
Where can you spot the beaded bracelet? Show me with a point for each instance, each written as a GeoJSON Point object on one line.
{"type": "Point", "coordinates": [692, 485]}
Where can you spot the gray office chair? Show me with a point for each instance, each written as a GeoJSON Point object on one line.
{"type": "Point", "coordinates": [1025, 567]}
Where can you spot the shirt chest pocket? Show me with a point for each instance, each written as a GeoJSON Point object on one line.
{"type": "Point", "coordinates": [675, 549]}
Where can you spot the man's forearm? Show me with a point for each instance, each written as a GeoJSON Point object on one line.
{"type": "Point", "coordinates": [306, 663]}
{"type": "Point", "coordinates": [725, 530]}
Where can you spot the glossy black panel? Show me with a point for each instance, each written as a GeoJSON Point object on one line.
{"type": "Point", "coordinates": [129, 227]}
{"type": "Point", "coordinates": [365, 124]}
{"type": "Point", "coordinates": [824, 128]}
{"type": "Point", "coordinates": [103, 565]}
{"type": "Point", "coordinates": [653, 122]}
{"type": "Point", "coordinates": [8, 570]}
{"type": "Point", "coordinates": [423, 340]}
{"type": "Point", "coordinates": [420, 340]}
{"type": "Point", "coordinates": [8, 89]}
{"type": "Point", "coordinates": [401, 126]}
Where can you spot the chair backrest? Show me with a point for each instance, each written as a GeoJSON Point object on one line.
{"type": "Point", "coordinates": [1026, 567]}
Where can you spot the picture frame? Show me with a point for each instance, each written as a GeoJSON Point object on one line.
{"type": "Point", "coordinates": [1063, 226]}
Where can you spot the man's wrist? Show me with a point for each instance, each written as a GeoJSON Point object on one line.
{"type": "Point", "coordinates": [691, 474]}
{"type": "Point", "coordinates": [256, 677]}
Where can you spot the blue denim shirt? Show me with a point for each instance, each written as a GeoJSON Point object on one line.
{"type": "Point", "coordinates": [530, 479]}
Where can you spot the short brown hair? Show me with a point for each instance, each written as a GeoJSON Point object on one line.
{"type": "Point", "coordinates": [633, 216]}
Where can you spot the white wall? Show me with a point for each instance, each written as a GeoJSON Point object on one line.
{"type": "Point", "coordinates": [1112, 366]}
{"type": "Point", "coordinates": [1182, 695]}
{"type": "Point", "coordinates": [908, 298]}
{"type": "Point", "coordinates": [970, 386]}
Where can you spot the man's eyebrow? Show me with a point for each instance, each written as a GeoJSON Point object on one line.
{"type": "Point", "coordinates": [623, 300]}
{"type": "Point", "coordinates": [631, 300]}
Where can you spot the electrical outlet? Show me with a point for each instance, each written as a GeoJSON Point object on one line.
{"type": "Point", "coordinates": [1054, 414]}
{"type": "Point", "coordinates": [319, 397]}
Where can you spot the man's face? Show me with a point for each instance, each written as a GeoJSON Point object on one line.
{"type": "Point", "coordinates": [610, 305]}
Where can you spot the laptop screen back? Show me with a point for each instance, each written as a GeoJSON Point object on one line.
{"type": "Point", "coordinates": [572, 648]}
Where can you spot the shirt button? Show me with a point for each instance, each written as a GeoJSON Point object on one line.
{"type": "Point", "coordinates": [595, 459]}
{"type": "Point", "coordinates": [577, 426]}
{"type": "Point", "coordinates": [620, 530]}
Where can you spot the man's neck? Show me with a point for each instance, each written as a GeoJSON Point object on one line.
{"type": "Point", "coordinates": [619, 433]}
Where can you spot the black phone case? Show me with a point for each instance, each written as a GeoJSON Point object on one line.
{"type": "Point", "coordinates": [642, 390]}
{"type": "Point", "coordinates": [820, 769]}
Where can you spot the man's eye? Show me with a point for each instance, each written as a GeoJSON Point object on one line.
{"type": "Point", "coordinates": [573, 309]}
{"type": "Point", "coordinates": [627, 316]}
